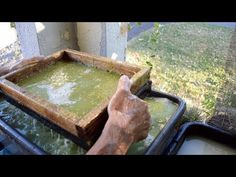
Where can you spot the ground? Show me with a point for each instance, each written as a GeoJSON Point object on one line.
{"type": "Point", "coordinates": [9, 44]}
{"type": "Point", "coordinates": [193, 61]}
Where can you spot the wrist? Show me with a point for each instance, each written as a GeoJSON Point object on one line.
{"type": "Point", "coordinates": [113, 140]}
{"type": "Point", "coordinates": [116, 138]}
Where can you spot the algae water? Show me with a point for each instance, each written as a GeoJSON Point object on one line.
{"type": "Point", "coordinates": [196, 145]}
{"type": "Point", "coordinates": [72, 85]}
{"type": "Point", "coordinates": [161, 110]}
{"type": "Point", "coordinates": [46, 138]}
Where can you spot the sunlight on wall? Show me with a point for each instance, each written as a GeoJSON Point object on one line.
{"type": "Point", "coordinates": [114, 55]}
{"type": "Point", "coordinates": [7, 34]}
{"type": "Point", "coordinates": [39, 27]}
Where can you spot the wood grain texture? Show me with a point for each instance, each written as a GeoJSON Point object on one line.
{"type": "Point", "coordinates": [90, 126]}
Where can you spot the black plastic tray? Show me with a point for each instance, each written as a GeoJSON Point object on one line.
{"type": "Point", "coordinates": [157, 146]}
{"type": "Point", "coordinates": [43, 120]}
{"type": "Point", "coordinates": [199, 129]}
{"type": "Point", "coordinates": [162, 140]}
{"type": "Point", "coordinates": [26, 146]}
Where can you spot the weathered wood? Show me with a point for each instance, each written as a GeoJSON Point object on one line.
{"type": "Point", "coordinates": [90, 126]}
{"type": "Point", "coordinates": [57, 115]}
{"type": "Point", "coordinates": [103, 63]}
{"type": "Point", "coordinates": [28, 70]}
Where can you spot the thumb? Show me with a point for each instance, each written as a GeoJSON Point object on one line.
{"type": "Point", "coordinates": [124, 83]}
{"type": "Point", "coordinates": [123, 89]}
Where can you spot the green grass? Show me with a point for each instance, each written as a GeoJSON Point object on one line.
{"type": "Point", "coordinates": [188, 60]}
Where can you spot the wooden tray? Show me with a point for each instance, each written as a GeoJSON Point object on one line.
{"type": "Point", "coordinates": [90, 126]}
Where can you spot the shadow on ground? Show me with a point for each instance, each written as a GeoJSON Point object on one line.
{"type": "Point", "coordinates": [225, 110]}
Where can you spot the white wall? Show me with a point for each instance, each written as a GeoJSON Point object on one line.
{"type": "Point", "coordinates": [89, 35]}
{"type": "Point", "coordinates": [105, 39]}
{"type": "Point", "coordinates": [44, 38]}
{"type": "Point", "coordinates": [54, 36]}
{"type": "Point", "coordinates": [7, 35]}
{"type": "Point", "coordinates": [116, 40]}
{"type": "Point", "coordinates": [26, 32]}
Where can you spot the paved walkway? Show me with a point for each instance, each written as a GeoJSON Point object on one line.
{"type": "Point", "coordinates": [225, 24]}
{"type": "Point", "coordinates": [136, 30]}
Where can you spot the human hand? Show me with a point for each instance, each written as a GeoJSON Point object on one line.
{"type": "Point", "coordinates": [128, 122]}
{"type": "Point", "coordinates": [129, 112]}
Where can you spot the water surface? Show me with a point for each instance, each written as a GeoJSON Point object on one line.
{"type": "Point", "coordinates": [161, 110]}
{"type": "Point", "coordinates": [46, 138]}
{"type": "Point", "coordinates": [196, 145]}
{"type": "Point", "coordinates": [73, 86]}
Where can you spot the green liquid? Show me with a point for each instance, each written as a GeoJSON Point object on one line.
{"type": "Point", "coordinates": [79, 89]}
{"type": "Point", "coordinates": [197, 145]}
{"type": "Point", "coordinates": [161, 110]}
{"type": "Point", "coordinates": [73, 86]}
{"type": "Point", "coordinates": [46, 138]}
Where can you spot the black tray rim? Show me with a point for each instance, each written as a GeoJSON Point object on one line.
{"type": "Point", "coordinates": [21, 140]}
{"type": "Point", "coordinates": [156, 147]}
{"type": "Point", "coordinates": [161, 141]}
{"type": "Point", "coordinates": [200, 129]}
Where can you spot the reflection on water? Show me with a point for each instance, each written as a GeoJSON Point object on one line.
{"type": "Point", "coordinates": [196, 145]}
{"type": "Point", "coordinates": [35, 131]}
{"type": "Point", "coordinates": [73, 86]}
{"type": "Point", "coordinates": [161, 110]}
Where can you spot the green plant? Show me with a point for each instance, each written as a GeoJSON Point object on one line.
{"type": "Point", "coordinates": [13, 24]}
{"type": "Point", "coordinates": [155, 33]}
{"type": "Point", "coordinates": [189, 61]}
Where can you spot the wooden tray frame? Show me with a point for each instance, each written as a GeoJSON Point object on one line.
{"type": "Point", "coordinates": [90, 126]}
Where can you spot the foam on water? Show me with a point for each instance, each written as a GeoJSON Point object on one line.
{"type": "Point", "coordinates": [35, 131]}
{"type": "Point", "coordinates": [60, 95]}
{"type": "Point", "coordinates": [73, 86]}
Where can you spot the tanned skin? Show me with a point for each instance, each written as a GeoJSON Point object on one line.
{"type": "Point", "coordinates": [128, 122]}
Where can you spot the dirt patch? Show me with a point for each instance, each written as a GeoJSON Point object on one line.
{"type": "Point", "coordinates": [224, 122]}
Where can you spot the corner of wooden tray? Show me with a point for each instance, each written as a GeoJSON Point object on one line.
{"type": "Point", "coordinates": [140, 79]}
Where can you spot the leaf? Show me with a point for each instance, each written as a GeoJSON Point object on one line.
{"type": "Point", "coordinates": [149, 64]}
{"type": "Point", "coordinates": [12, 24]}
{"type": "Point", "coordinates": [156, 25]}
{"type": "Point", "coordinates": [129, 27]}
{"type": "Point", "coordinates": [139, 23]}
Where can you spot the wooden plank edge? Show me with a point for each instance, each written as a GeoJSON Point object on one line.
{"type": "Point", "coordinates": [55, 114]}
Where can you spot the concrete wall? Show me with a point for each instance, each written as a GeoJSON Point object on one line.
{"type": "Point", "coordinates": [27, 36]}
{"type": "Point", "coordinates": [55, 36]}
{"type": "Point", "coordinates": [44, 38]}
{"type": "Point", "coordinates": [89, 37]}
{"type": "Point", "coordinates": [105, 39]}
{"type": "Point", "coordinates": [116, 40]}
